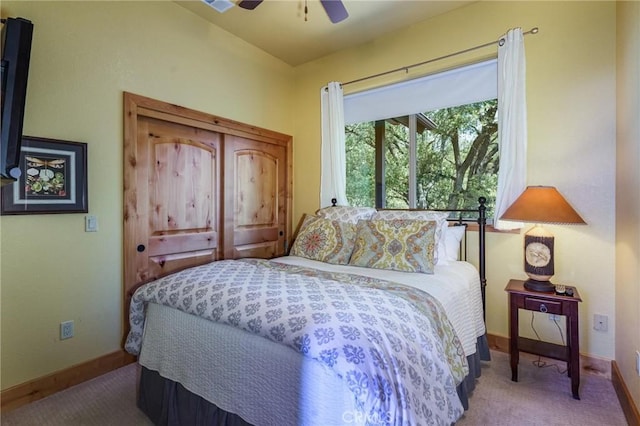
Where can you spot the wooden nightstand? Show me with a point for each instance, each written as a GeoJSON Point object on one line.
{"type": "Point", "coordinates": [551, 303]}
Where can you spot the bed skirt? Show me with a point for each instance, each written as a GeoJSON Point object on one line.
{"type": "Point", "coordinates": [166, 402]}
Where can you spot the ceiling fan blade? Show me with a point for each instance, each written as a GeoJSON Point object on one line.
{"type": "Point", "coordinates": [249, 4]}
{"type": "Point", "coordinates": [335, 10]}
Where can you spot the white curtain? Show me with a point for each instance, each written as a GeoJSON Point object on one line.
{"type": "Point", "coordinates": [512, 125]}
{"type": "Point", "coordinates": [333, 181]}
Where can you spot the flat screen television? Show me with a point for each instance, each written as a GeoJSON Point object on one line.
{"type": "Point", "coordinates": [16, 53]}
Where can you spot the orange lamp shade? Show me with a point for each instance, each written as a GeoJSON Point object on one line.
{"type": "Point", "coordinates": [542, 204]}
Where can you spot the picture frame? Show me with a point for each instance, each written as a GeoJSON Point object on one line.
{"type": "Point", "coordinates": [53, 179]}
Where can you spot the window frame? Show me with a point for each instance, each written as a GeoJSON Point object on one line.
{"type": "Point", "coordinates": [462, 85]}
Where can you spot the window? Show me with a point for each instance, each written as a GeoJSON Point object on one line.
{"type": "Point", "coordinates": [444, 157]}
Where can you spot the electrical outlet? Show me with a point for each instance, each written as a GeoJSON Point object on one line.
{"type": "Point", "coordinates": [554, 317]}
{"type": "Point", "coordinates": [600, 322]}
{"type": "Point", "coordinates": [66, 330]}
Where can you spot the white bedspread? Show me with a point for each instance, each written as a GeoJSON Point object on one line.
{"type": "Point", "coordinates": [263, 382]}
{"type": "Point", "coordinates": [252, 375]}
{"type": "Point", "coordinates": [456, 286]}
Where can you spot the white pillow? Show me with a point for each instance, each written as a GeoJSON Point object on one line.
{"type": "Point", "coordinates": [449, 250]}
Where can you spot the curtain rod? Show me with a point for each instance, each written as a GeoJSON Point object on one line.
{"type": "Point", "coordinates": [407, 67]}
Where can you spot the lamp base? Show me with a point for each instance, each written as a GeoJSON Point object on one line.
{"type": "Point", "coordinates": [539, 286]}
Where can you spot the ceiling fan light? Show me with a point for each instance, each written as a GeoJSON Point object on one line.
{"type": "Point", "coordinates": [220, 5]}
{"type": "Point", "coordinates": [335, 10]}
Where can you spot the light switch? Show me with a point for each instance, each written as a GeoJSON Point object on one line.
{"type": "Point", "coordinates": [90, 224]}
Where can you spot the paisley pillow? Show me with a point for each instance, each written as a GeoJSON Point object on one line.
{"type": "Point", "coordinates": [346, 213]}
{"type": "Point", "coordinates": [399, 245]}
{"type": "Point", "coordinates": [325, 240]}
{"type": "Point", "coordinates": [439, 217]}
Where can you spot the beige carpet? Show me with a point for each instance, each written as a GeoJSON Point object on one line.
{"type": "Point", "coordinates": [106, 400]}
{"type": "Point", "coordinates": [541, 397]}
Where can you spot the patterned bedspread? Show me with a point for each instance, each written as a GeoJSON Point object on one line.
{"type": "Point", "coordinates": [390, 343]}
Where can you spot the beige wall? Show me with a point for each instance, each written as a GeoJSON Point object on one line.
{"type": "Point", "coordinates": [628, 195]}
{"type": "Point", "coordinates": [85, 54]}
{"type": "Point", "coordinates": [571, 122]}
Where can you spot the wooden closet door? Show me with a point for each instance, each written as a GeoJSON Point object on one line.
{"type": "Point", "coordinates": [176, 220]}
{"type": "Point", "coordinates": [255, 210]}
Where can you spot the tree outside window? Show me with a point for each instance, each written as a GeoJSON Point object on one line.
{"type": "Point", "coordinates": [455, 157]}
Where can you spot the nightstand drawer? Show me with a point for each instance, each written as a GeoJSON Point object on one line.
{"type": "Point", "coordinates": [542, 305]}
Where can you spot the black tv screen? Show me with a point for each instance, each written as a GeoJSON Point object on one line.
{"type": "Point", "coordinates": [16, 52]}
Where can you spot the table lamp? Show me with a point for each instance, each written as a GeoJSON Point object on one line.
{"type": "Point", "coordinates": [540, 204]}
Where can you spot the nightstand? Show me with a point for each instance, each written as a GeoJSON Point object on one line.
{"type": "Point", "coordinates": [551, 303]}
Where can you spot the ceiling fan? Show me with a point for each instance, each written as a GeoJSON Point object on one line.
{"type": "Point", "coordinates": [334, 8]}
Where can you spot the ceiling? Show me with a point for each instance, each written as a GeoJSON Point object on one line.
{"type": "Point", "coordinates": [278, 26]}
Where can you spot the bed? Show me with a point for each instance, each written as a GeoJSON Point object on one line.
{"type": "Point", "coordinates": [324, 336]}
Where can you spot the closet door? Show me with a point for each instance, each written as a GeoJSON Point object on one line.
{"type": "Point", "coordinates": [175, 221]}
{"type": "Point", "coordinates": [255, 198]}
{"type": "Point", "coordinates": [179, 203]}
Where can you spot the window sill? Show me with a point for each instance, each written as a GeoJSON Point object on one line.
{"type": "Point", "coordinates": [489, 228]}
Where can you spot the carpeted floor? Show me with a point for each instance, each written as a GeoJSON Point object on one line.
{"type": "Point", "coordinates": [104, 401]}
{"type": "Point", "coordinates": [541, 397]}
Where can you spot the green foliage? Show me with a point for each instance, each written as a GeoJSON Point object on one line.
{"type": "Point", "coordinates": [456, 162]}
{"type": "Point", "coordinates": [360, 153]}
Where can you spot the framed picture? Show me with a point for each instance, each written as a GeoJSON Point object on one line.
{"type": "Point", "coordinates": [53, 179]}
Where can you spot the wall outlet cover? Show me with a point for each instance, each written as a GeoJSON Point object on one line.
{"type": "Point", "coordinates": [600, 322]}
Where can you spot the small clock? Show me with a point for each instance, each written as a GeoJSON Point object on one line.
{"type": "Point", "coordinates": [538, 257]}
